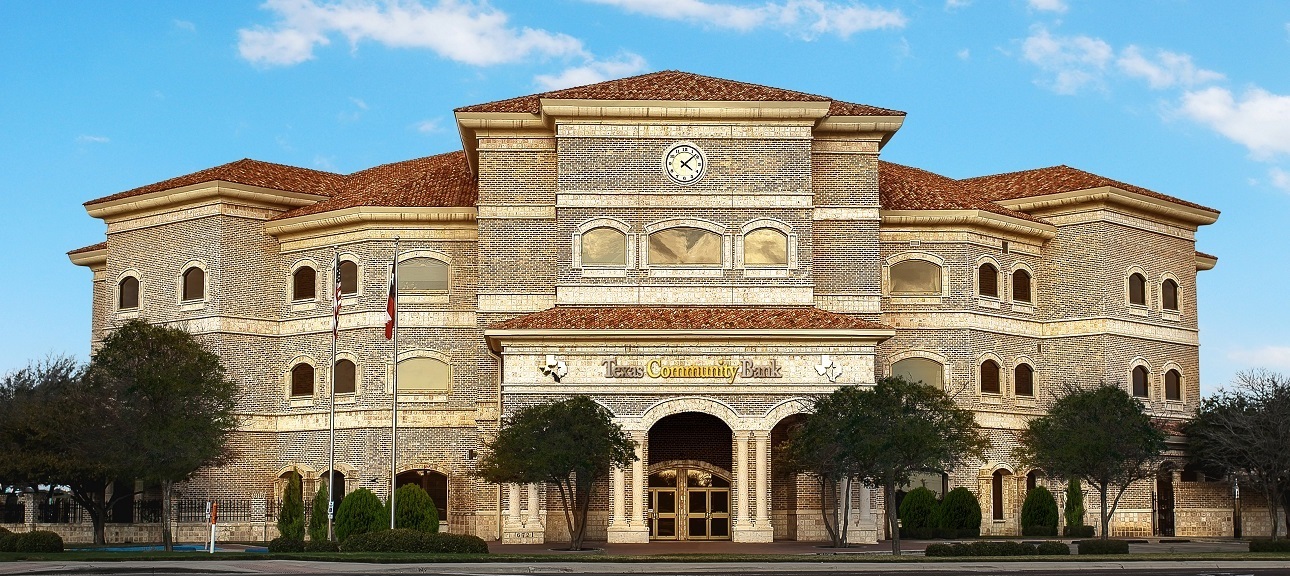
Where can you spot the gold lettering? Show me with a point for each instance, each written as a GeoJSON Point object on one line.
{"type": "Point", "coordinates": [654, 368]}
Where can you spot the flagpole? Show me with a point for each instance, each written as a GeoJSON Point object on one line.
{"type": "Point", "coordinates": [331, 415]}
{"type": "Point", "coordinates": [394, 395]}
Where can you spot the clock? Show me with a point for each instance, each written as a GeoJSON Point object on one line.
{"type": "Point", "coordinates": [684, 163]}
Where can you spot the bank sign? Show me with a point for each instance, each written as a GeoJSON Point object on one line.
{"type": "Point", "coordinates": [658, 368]}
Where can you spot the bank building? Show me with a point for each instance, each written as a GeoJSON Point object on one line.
{"type": "Point", "coordinates": [698, 255]}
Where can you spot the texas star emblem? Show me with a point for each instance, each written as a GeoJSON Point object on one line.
{"type": "Point", "coordinates": [556, 369]}
{"type": "Point", "coordinates": [828, 368]}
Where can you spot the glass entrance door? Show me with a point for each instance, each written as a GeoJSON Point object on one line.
{"type": "Point", "coordinates": [688, 504]}
{"type": "Point", "coordinates": [708, 514]}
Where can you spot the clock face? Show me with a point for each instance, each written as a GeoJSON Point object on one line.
{"type": "Point", "coordinates": [684, 163]}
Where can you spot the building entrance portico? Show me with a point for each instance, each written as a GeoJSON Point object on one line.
{"type": "Point", "coordinates": [688, 504]}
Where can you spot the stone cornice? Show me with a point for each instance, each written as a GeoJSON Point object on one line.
{"type": "Point", "coordinates": [857, 337]}
{"type": "Point", "coordinates": [95, 260]}
{"type": "Point", "coordinates": [1078, 200]}
{"type": "Point", "coordinates": [336, 221]}
{"type": "Point", "coordinates": [199, 194]}
{"type": "Point", "coordinates": [1205, 261]}
{"type": "Point", "coordinates": [967, 219]}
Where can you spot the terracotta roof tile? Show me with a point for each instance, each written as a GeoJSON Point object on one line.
{"type": "Point", "coordinates": [676, 85]}
{"type": "Point", "coordinates": [90, 248]}
{"type": "Point", "coordinates": [244, 171]}
{"type": "Point", "coordinates": [1055, 180]}
{"type": "Point", "coordinates": [905, 188]}
{"type": "Point", "coordinates": [443, 180]}
{"type": "Point", "coordinates": [685, 318]}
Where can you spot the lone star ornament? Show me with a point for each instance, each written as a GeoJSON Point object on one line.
{"type": "Point", "coordinates": [556, 369]}
{"type": "Point", "coordinates": [828, 368]}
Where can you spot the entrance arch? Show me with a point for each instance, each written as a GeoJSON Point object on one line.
{"type": "Point", "coordinates": [434, 483]}
{"type": "Point", "coordinates": [690, 457]}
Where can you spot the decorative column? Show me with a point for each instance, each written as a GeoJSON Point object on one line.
{"type": "Point", "coordinates": [761, 530]}
{"type": "Point", "coordinates": [534, 520]}
{"type": "Point", "coordinates": [617, 488]}
{"type": "Point", "coordinates": [743, 528]}
{"type": "Point", "coordinates": [514, 531]}
{"type": "Point", "coordinates": [633, 530]}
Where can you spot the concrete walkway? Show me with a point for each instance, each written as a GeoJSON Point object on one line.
{"type": "Point", "coordinates": [1153, 545]}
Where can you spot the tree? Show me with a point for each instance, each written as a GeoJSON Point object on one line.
{"type": "Point", "coordinates": [1100, 435]}
{"type": "Point", "coordinates": [416, 509]}
{"type": "Point", "coordinates": [570, 444]}
{"type": "Point", "coordinates": [318, 516]}
{"type": "Point", "coordinates": [1245, 431]}
{"type": "Point", "coordinates": [816, 447]}
{"type": "Point", "coordinates": [886, 434]}
{"type": "Point", "coordinates": [359, 513]}
{"type": "Point", "coordinates": [1039, 513]}
{"type": "Point", "coordinates": [1074, 506]}
{"type": "Point", "coordinates": [291, 517]}
{"type": "Point", "coordinates": [178, 399]}
{"type": "Point", "coordinates": [58, 428]}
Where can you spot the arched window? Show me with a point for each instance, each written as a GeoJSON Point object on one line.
{"type": "Point", "coordinates": [987, 278]}
{"type": "Point", "coordinates": [996, 493]}
{"type": "Point", "coordinates": [1169, 295]}
{"type": "Point", "coordinates": [194, 284]}
{"type": "Point", "coordinates": [302, 380]}
{"type": "Point", "coordinates": [923, 370]}
{"type": "Point", "coordinates": [1173, 385]}
{"type": "Point", "coordinates": [1137, 289]}
{"type": "Point", "coordinates": [1140, 389]}
{"type": "Point", "coordinates": [424, 376]}
{"type": "Point", "coordinates": [348, 277]}
{"type": "Point", "coordinates": [766, 247]}
{"type": "Point", "coordinates": [303, 282]}
{"type": "Point", "coordinates": [990, 377]}
{"type": "Point", "coordinates": [685, 246]}
{"type": "Point", "coordinates": [1032, 479]}
{"type": "Point", "coordinates": [345, 374]}
{"type": "Point", "coordinates": [127, 293]}
{"type": "Point", "coordinates": [604, 246]}
{"type": "Point", "coordinates": [423, 275]}
{"type": "Point", "coordinates": [1021, 286]}
{"type": "Point", "coordinates": [1023, 380]}
{"type": "Point", "coordinates": [915, 277]}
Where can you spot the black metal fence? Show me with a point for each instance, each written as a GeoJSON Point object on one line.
{"type": "Point", "coordinates": [60, 510]}
{"type": "Point", "coordinates": [13, 513]}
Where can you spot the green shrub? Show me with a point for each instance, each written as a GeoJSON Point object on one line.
{"type": "Point", "coordinates": [1099, 546]}
{"type": "Point", "coordinates": [1078, 531]}
{"type": "Point", "coordinates": [360, 512]}
{"type": "Point", "coordinates": [407, 540]}
{"type": "Point", "coordinates": [961, 513]}
{"type": "Point", "coordinates": [291, 518]}
{"type": "Point", "coordinates": [7, 541]}
{"type": "Point", "coordinates": [318, 516]}
{"type": "Point", "coordinates": [983, 548]}
{"type": "Point", "coordinates": [1269, 545]}
{"type": "Point", "coordinates": [1053, 549]}
{"type": "Point", "coordinates": [38, 541]}
{"type": "Point", "coordinates": [446, 543]}
{"type": "Point", "coordinates": [1074, 505]}
{"type": "Point", "coordinates": [414, 509]}
{"type": "Point", "coordinates": [1039, 513]}
{"type": "Point", "coordinates": [323, 545]}
{"type": "Point", "coordinates": [918, 513]}
{"type": "Point", "coordinates": [284, 544]}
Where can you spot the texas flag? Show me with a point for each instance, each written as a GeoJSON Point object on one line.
{"type": "Point", "coordinates": [389, 306]}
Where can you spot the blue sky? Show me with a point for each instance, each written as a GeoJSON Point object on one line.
{"type": "Point", "coordinates": [1187, 98]}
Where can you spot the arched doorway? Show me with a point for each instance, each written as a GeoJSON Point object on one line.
{"type": "Point", "coordinates": [1165, 500]}
{"type": "Point", "coordinates": [337, 480]}
{"type": "Point", "coordinates": [688, 488]}
{"type": "Point", "coordinates": [784, 493]}
{"type": "Point", "coordinates": [434, 483]}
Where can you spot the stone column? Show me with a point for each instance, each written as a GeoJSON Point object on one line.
{"type": "Point", "coordinates": [741, 478]}
{"type": "Point", "coordinates": [534, 520]}
{"type": "Point", "coordinates": [746, 528]}
{"type": "Point", "coordinates": [763, 483]}
{"type": "Point", "coordinates": [513, 530]}
{"type": "Point", "coordinates": [633, 530]}
{"type": "Point", "coordinates": [617, 488]}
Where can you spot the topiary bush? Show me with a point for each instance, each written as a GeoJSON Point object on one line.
{"type": "Point", "coordinates": [984, 548]}
{"type": "Point", "coordinates": [1039, 513]}
{"type": "Point", "coordinates": [918, 514]}
{"type": "Point", "coordinates": [1074, 507]}
{"type": "Point", "coordinates": [284, 544]}
{"type": "Point", "coordinates": [959, 515]}
{"type": "Point", "coordinates": [318, 516]}
{"type": "Point", "coordinates": [1053, 549]}
{"type": "Point", "coordinates": [360, 512]}
{"type": "Point", "coordinates": [323, 545]}
{"type": "Point", "coordinates": [1078, 531]}
{"type": "Point", "coordinates": [1098, 546]}
{"type": "Point", "coordinates": [291, 518]}
{"type": "Point", "coordinates": [1262, 545]}
{"type": "Point", "coordinates": [38, 541]}
{"type": "Point", "coordinates": [414, 509]}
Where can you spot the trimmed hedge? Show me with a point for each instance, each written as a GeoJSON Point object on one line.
{"type": "Point", "coordinates": [321, 546]}
{"type": "Point", "coordinates": [1099, 546]}
{"type": "Point", "coordinates": [1078, 531]}
{"type": "Point", "coordinates": [1269, 545]}
{"type": "Point", "coordinates": [407, 540]}
{"type": "Point", "coordinates": [1051, 548]}
{"type": "Point", "coordinates": [285, 544]}
{"type": "Point", "coordinates": [359, 513]}
{"type": "Point", "coordinates": [983, 548]}
{"type": "Point", "coordinates": [38, 541]}
{"type": "Point", "coordinates": [1039, 513]}
{"type": "Point", "coordinates": [7, 540]}
{"type": "Point", "coordinates": [959, 515]}
{"type": "Point", "coordinates": [415, 509]}
{"type": "Point", "coordinates": [918, 512]}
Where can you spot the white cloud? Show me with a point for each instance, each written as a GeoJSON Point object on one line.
{"type": "Point", "coordinates": [460, 30]}
{"type": "Point", "coordinates": [185, 25]}
{"type": "Point", "coordinates": [1270, 357]}
{"type": "Point", "coordinates": [90, 139]}
{"type": "Point", "coordinates": [358, 102]}
{"type": "Point", "coordinates": [1280, 179]}
{"type": "Point", "coordinates": [1258, 119]}
{"type": "Point", "coordinates": [1074, 61]}
{"type": "Point", "coordinates": [964, 54]}
{"type": "Point", "coordinates": [956, 4]}
{"type": "Point", "coordinates": [593, 71]}
{"type": "Point", "coordinates": [1058, 6]}
{"type": "Point", "coordinates": [1166, 70]}
{"type": "Point", "coordinates": [431, 126]}
{"type": "Point", "coordinates": [807, 18]}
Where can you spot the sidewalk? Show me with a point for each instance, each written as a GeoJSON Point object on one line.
{"type": "Point", "coordinates": [1152, 545]}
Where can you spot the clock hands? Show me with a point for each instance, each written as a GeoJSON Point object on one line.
{"type": "Point", "coordinates": [686, 162]}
